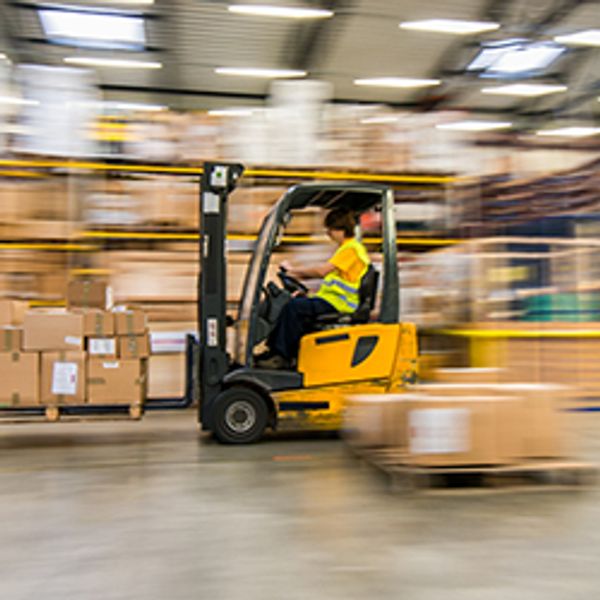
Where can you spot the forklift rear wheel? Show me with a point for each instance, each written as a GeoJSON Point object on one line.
{"type": "Point", "coordinates": [241, 416]}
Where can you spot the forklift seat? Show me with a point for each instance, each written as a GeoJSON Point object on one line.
{"type": "Point", "coordinates": [367, 294]}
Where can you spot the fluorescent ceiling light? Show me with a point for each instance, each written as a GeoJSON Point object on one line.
{"type": "Point", "coordinates": [589, 37]}
{"type": "Point", "coordinates": [265, 73]}
{"type": "Point", "coordinates": [379, 120]}
{"type": "Point", "coordinates": [289, 12]}
{"type": "Point", "coordinates": [397, 82]}
{"type": "Point", "coordinates": [474, 125]}
{"type": "Point", "coordinates": [93, 28]}
{"type": "Point", "coordinates": [135, 2]}
{"type": "Point", "coordinates": [111, 62]}
{"type": "Point", "coordinates": [533, 57]}
{"type": "Point", "coordinates": [17, 101]}
{"type": "Point", "coordinates": [231, 112]}
{"type": "Point", "coordinates": [3, 56]}
{"type": "Point", "coordinates": [515, 56]}
{"type": "Point", "coordinates": [525, 89]}
{"type": "Point", "coordinates": [133, 106]}
{"type": "Point", "coordinates": [453, 26]}
{"type": "Point", "coordinates": [573, 132]}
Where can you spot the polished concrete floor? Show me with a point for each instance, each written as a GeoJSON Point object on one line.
{"type": "Point", "coordinates": [153, 511]}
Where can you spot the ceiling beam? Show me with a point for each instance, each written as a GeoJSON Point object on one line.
{"type": "Point", "coordinates": [307, 44]}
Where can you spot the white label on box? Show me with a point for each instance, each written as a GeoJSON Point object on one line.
{"type": "Point", "coordinates": [439, 430]}
{"type": "Point", "coordinates": [73, 340]}
{"type": "Point", "coordinates": [64, 378]}
{"type": "Point", "coordinates": [102, 346]}
{"type": "Point", "coordinates": [110, 365]}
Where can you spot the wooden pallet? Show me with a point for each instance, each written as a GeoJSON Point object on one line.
{"type": "Point", "coordinates": [532, 475]}
{"type": "Point", "coordinates": [54, 414]}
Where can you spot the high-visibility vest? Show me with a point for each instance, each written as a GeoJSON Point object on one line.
{"type": "Point", "coordinates": [342, 294]}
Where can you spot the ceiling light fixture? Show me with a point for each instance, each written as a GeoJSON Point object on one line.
{"type": "Point", "coordinates": [263, 73]}
{"type": "Point", "coordinates": [474, 126]}
{"type": "Point", "coordinates": [529, 90]}
{"type": "Point", "coordinates": [452, 26]}
{"type": "Point", "coordinates": [572, 132]}
{"type": "Point", "coordinates": [397, 82]}
{"type": "Point", "coordinates": [3, 56]}
{"type": "Point", "coordinates": [15, 100]}
{"type": "Point", "coordinates": [286, 12]}
{"type": "Point", "coordinates": [85, 28]}
{"type": "Point", "coordinates": [111, 62]}
{"type": "Point", "coordinates": [231, 112]}
{"type": "Point", "coordinates": [589, 37]}
{"type": "Point", "coordinates": [514, 57]}
{"type": "Point", "coordinates": [133, 106]}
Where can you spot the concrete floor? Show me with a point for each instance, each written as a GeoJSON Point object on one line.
{"type": "Point", "coordinates": [153, 511]}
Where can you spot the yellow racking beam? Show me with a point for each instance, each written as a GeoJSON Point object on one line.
{"type": "Point", "coordinates": [41, 246]}
{"type": "Point", "coordinates": [516, 333]}
{"type": "Point", "coordinates": [292, 239]}
{"type": "Point", "coordinates": [267, 173]}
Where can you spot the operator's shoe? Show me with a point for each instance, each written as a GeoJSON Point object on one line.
{"type": "Point", "coordinates": [275, 361]}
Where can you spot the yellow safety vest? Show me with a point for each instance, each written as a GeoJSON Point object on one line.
{"type": "Point", "coordinates": [342, 294]}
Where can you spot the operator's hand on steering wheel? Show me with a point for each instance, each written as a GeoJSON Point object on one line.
{"type": "Point", "coordinates": [287, 266]}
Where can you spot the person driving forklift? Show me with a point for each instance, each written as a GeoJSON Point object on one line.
{"type": "Point", "coordinates": [339, 291]}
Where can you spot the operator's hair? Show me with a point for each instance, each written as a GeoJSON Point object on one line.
{"type": "Point", "coordinates": [341, 219]}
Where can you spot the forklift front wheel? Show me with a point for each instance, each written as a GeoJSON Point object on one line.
{"type": "Point", "coordinates": [241, 416]}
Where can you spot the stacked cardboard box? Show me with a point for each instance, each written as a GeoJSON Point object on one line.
{"type": "Point", "coordinates": [84, 355]}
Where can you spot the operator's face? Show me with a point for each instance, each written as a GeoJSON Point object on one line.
{"type": "Point", "coordinates": [337, 235]}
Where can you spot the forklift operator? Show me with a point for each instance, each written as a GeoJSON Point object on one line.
{"type": "Point", "coordinates": [341, 275]}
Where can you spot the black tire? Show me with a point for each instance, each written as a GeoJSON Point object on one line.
{"type": "Point", "coordinates": [240, 416]}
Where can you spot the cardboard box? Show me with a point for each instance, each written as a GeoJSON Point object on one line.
{"type": "Point", "coordinates": [446, 431]}
{"type": "Point", "coordinates": [20, 376]}
{"type": "Point", "coordinates": [166, 376]}
{"type": "Point", "coordinates": [11, 339]}
{"type": "Point", "coordinates": [102, 347]}
{"type": "Point", "coordinates": [130, 322]}
{"type": "Point", "coordinates": [134, 346]}
{"type": "Point", "coordinates": [539, 420]}
{"type": "Point", "coordinates": [63, 378]}
{"type": "Point", "coordinates": [467, 375]}
{"type": "Point", "coordinates": [376, 420]}
{"type": "Point", "coordinates": [12, 312]}
{"type": "Point", "coordinates": [89, 293]}
{"type": "Point", "coordinates": [115, 381]}
{"type": "Point", "coordinates": [98, 323]}
{"type": "Point", "coordinates": [53, 330]}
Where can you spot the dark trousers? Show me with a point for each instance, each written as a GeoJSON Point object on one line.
{"type": "Point", "coordinates": [296, 319]}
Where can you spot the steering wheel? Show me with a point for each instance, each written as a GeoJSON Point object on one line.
{"type": "Point", "coordinates": [291, 284]}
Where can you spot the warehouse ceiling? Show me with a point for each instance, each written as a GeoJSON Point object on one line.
{"type": "Point", "coordinates": [362, 39]}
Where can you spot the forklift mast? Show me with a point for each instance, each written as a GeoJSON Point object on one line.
{"type": "Point", "coordinates": [218, 181]}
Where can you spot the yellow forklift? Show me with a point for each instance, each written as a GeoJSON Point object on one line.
{"type": "Point", "coordinates": [364, 352]}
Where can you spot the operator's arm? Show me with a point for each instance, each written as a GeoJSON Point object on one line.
{"type": "Point", "coordinates": [312, 272]}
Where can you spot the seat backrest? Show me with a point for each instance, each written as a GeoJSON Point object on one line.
{"type": "Point", "coordinates": [367, 294]}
